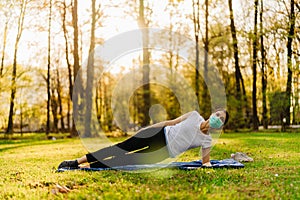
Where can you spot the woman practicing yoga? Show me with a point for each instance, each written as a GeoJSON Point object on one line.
{"type": "Point", "coordinates": [157, 142]}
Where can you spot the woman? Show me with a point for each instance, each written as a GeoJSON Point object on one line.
{"type": "Point", "coordinates": [158, 142]}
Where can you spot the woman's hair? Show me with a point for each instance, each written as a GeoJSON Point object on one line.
{"type": "Point", "coordinates": [227, 117]}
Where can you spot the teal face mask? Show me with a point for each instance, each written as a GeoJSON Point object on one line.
{"type": "Point", "coordinates": [215, 122]}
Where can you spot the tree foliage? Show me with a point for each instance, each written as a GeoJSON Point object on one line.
{"type": "Point", "coordinates": [253, 46]}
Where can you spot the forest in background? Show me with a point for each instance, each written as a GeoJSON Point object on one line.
{"type": "Point", "coordinates": [44, 44]}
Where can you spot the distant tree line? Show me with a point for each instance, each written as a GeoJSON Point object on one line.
{"type": "Point", "coordinates": [255, 48]}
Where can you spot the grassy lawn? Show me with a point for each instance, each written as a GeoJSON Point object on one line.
{"type": "Point", "coordinates": [28, 172]}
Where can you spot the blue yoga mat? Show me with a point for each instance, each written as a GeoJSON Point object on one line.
{"type": "Point", "coordinates": [226, 163]}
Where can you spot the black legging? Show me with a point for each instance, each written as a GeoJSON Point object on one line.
{"type": "Point", "coordinates": [148, 146]}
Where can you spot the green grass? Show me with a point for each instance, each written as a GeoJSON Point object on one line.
{"type": "Point", "coordinates": [28, 172]}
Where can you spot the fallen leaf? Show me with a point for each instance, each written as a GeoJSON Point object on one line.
{"type": "Point", "coordinates": [62, 189]}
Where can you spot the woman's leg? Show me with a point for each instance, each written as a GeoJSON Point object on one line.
{"type": "Point", "coordinates": [82, 160]}
{"type": "Point", "coordinates": [149, 146]}
{"type": "Point", "coordinates": [136, 158]}
{"type": "Point", "coordinates": [149, 137]}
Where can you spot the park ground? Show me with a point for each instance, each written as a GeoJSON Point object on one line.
{"type": "Point", "coordinates": [28, 171]}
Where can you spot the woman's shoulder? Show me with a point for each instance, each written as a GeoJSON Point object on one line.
{"type": "Point", "coordinates": [192, 115]}
{"type": "Point", "coordinates": [196, 114]}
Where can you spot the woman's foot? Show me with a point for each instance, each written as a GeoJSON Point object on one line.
{"type": "Point", "coordinates": [84, 166]}
{"type": "Point", "coordinates": [70, 164]}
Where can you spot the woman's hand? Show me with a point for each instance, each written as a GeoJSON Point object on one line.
{"type": "Point", "coordinates": [206, 155]}
{"type": "Point", "coordinates": [204, 127]}
{"type": "Point", "coordinates": [207, 164]}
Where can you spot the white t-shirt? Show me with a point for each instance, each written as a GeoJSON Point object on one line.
{"type": "Point", "coordinates": [186, 135]}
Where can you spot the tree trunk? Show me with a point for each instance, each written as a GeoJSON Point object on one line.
{"type": "Point", "coordinates": [291, 36]}
{"type": "Point", "coordinates": [12, 96]}
{"type": "Point", "coordinates": [21, 120]}
{"type": "Point", "coordinates": [90, 76]}
{"type": "Point", "coordinates": [69, 114]}
{"type": "Point", "coordinates": [75, 95]}
{"type": "Point", "coordinates": [263, 73]}
{"type": "Point", "coordinates": [54, 106]}
{"type": "Point", "coordinates": [60, 104]}
{"type": "Point", "coordinates": [236, 52]}
{"type": "Point", "coordinates": [48, 70]}
{"type": "Point", "coordinates": [146, 68]}
{"type": "Point", "coordinates": [296, 109]}
{"type": "Point", "coordinates": [173, 109]}
{"type": "Point", "coordinates": [3, 48]}
{"type": "Point", "coordinates": [206, 103]}
{"type": "Point", "coordinates": [98, 103]}
{"type": "Point", "coordinates": [196, 22]}
{"type": "Point", "coordinates": [254, 70]}
{"type": "Point", "coordinates": [14, 71]}
{"type": "Point", "coordinates": [238, 75]}
{"type": "Point", "coordinates": [68, 63]}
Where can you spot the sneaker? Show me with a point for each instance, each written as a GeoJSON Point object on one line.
{"type": "Point", "coordinates": [70, 164]}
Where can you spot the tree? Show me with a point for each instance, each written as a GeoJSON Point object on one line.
{"type": "Point", "coordinates": [90, 76]}
{"type": "Point", "coordinates": [3, 48]}
{"type": "Point", "coordinates": [48, 70]}
{"type": "Point", "coordinates": [54, 106]}
{"type": "Point", "coordinates": [103, 101]}
{"type": "Point", "coordinates": [263, 73]}
{"type": "Point", "coordinates": [143, 24]}
{"type": "Point", "coordinates": [20, 25]}
{"type": "Point", "coordinates": [205, 96]}
{"type": "Point", "coordinates": [65, 31]}
{"type": "Point", "coordinates": [7, 19]}
{"type": "Point", "coordinates": [291, 35]}
{"type": "Point", "coordinates": [277, 107]}
{"type": "Point", "coordinates": [172, 58]}
{"type": "Point", "coordinates": [239, 82]}
{"type": "Point", "coordinates": [76, 66]}
{"type": "Point", "coordinates": [196, 23]}
{"type": "Point", "coordinates": [59, 99]}
{"type": "Point", "coordinates": [254, 70]}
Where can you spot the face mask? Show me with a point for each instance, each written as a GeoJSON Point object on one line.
{"type": "Point", "coordinates": [215, 122]}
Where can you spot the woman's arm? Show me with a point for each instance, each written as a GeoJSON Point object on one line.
{"type": "Point", "coordinates": [206, 157]}
{"type": "Point", "coordinates": [171, 122]}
